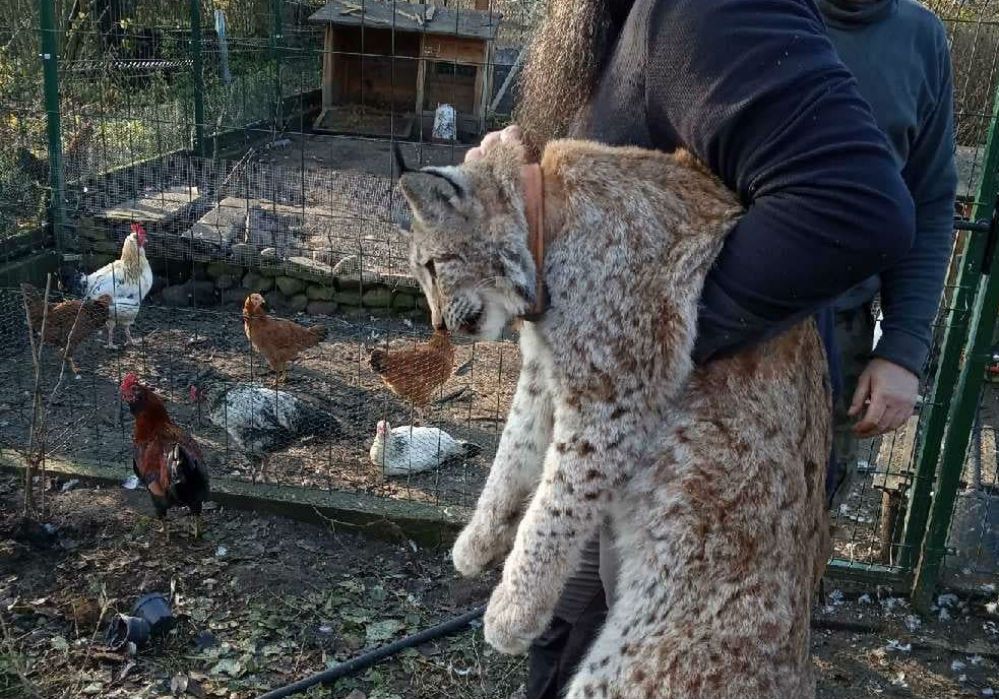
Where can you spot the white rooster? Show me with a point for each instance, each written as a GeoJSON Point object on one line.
{"type": "Point", "coordinates": [407, 449]}
{"type": "Point", "coordinates": [127, 280]}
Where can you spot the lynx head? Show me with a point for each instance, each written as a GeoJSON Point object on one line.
{"type": "Point", "coordinates": [468, 246]}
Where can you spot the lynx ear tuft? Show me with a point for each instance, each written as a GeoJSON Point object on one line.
{"type": "Point", "coordinates": [432, 195]}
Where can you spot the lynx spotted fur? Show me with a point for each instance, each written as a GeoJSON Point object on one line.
{"type": "Point", "coordinates": [711, 478]}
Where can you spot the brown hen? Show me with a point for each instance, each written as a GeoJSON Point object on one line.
{"type": "Point", "coordinates": [63, 330]}
{"type": "Point", "coordinates": [415, 373]}
{"type": "Point", "coordinates": [279, 340]}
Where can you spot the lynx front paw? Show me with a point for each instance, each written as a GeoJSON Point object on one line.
{"type": "Point", "coordinates": [512, 622]}
{"type": "Point", "coordinates": [478, 547]}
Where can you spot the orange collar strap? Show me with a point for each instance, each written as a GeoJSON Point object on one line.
{"type": "Point", "coordinates": [534, 211]}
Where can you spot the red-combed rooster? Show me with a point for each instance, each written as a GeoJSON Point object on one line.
{"type": "Point", "coordinates": [165, 457]}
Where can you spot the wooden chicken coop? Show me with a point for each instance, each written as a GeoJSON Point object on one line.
{"type": "Point", "coordinates": [388, 66]}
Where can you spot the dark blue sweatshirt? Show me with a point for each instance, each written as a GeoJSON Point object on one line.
{"type": "Point", "coordinates": [897, 50]}
{"type": "Point", "coordinates": [756, 90]}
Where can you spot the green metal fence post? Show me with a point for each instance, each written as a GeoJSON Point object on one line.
{"type": "Point", "coordinates": [50, 76]}
{"type": "Point", "coordinates": [197, 68]}
{"type": "Point", "coordinates": [963, 410]}
{"type": "Point", "coordinates": [276, 42]}
{"type": "Point", "coordinates": [955, 337]}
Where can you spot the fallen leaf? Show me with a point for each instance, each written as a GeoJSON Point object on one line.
{"type": "Point", "coordinates": [205, 639]}
{"type": "Point", "coordinates": [383, 630]}
{"type": "Point", "coordinates": [59, 643]}
{"type": "Point", "coordinates": [178, 684]}
{"type": "Point", "coordinates": [230, 667]}
{"type": "Point", "coordinates": [93, 688]}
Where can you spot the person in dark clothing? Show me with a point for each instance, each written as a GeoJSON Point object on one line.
{"type": "Point", "coordinates": [755, 89]}
{"type": "Point", "coordinates": [897, 50]}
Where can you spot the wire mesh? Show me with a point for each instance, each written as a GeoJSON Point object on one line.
{"type": "Point", "coordinates": [972, 560]}
{"type": "Point", "coordinates": [253, 141]}
{"type": "Point", "coordinates": [220, 149]}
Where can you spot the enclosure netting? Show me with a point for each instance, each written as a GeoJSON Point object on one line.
{"type": "Point", "coordinates": [253, 143]}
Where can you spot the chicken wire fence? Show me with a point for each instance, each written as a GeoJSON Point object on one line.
{"type": "Point", "coordinates": [252, 139]}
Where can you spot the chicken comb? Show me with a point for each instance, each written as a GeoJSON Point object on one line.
{"type": "Point", "coordinates": [137, 228]}
{"type": "Point", "coordinates": [128, 383]}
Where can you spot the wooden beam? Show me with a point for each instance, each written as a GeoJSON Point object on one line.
{"type": "Point", "coordinates": [421, 80]}
{"type": "Point", "coordinates": [371, 515]}
{"type": "Point", "coordinates": [328, 68]}
{"type": "Point", "coordinates": [509, 80]}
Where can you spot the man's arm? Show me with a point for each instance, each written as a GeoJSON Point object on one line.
{"type": "Point", "coordinates": [910, 290]}
{"type": "Point", "coordinates": [755, 89]}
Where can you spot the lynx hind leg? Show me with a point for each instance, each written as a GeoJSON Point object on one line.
{"type": "Point", "coordinates": [516, 470]}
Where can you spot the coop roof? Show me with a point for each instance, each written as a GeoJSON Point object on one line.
{"type": "Point", "coordinates": [410, 17]}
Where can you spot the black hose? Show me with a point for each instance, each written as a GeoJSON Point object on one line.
{"type": "Point", "coordinates": [371, 657]}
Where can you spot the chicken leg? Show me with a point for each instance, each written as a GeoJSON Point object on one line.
{"type": "Point", "coordinates": [197, 526]}
{"type": "Point", "coordinates": [111, 345]}
{"type": "Point", "coordinates": [129, 340]}
{"type": "Point", "coordinates": [259, 473]}
{"type": "Point", "coordinates": [73, 367]}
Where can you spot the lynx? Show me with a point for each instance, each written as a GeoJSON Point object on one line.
{"type": "Point", "coordinates": [710, 478]}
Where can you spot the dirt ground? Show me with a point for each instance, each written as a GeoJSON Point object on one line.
{"type": "Point", "coordinates": [208, 349]}
{"type": "Point", "coordinates": [264, 601]}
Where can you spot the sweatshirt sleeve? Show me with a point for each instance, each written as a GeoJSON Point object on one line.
{"type": "Point", "coordinates": [755, 89]}
{"type": "Point", "coordinates": [910, 290]}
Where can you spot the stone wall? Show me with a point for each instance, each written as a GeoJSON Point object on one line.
{"type": "Point", "coordinates": [198, 259]}
{"type": "Point", "coordinates": [295, 285]}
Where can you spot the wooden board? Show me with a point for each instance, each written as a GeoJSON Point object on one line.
{"type": "Point", "coordinates": [443, 48]}
{"type": "Point", "coordinates": [894, 461]}
{"type": "Point", "coordinates": [351, 120]}
{"type": "Point", "coordinates": [156, 207]}
{"type": "Point", "coordinates": [410, 17]}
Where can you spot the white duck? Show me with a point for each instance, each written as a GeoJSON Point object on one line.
{"type": "Point", "coordinates": [406, 450]}
{"type": "Point", "coordinates": [127, 281]}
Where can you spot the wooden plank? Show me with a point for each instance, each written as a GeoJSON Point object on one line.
{"type": "Point", "coordinates": [317, 124]}
{"type": "Point", "coordinates": [379, 517]}
{"type": "Point", "coordinates": [478, 100]}
{"type": "Point", "coordinates": [156, 207]}
{"type": "Point", "coordinates": [421, 79]}
{"type": "Point", "coordinates": [445, 48]}
{"type": "Point", "coordinates": [410, 17]}
{"type": "Point", "coordinates": [894, 460]}
{"type": "Point", "coordinates": [328, 65]}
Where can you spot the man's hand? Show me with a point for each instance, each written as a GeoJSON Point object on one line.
{"type": "Point", "coordinates": [510, 133]}
{"type": "Point", "coordinates": [890, 393]}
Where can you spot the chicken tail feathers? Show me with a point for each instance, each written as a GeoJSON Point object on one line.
{"type": "Point", "coordinates": [470, 449]}
{"type": "Point", "coordinates": [73, 282]}
{"type": "Point", "coordinates": [319, 332]}
{"type": "Point", "coordinates": [186, 470]}
{"type": "Point", "coordinates": [31, 294]}
{"type": "Point", "coordinates": [378, 361]}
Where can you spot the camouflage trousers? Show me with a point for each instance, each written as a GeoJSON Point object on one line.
{"type": "Point", "coordinates": [854, 336]}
